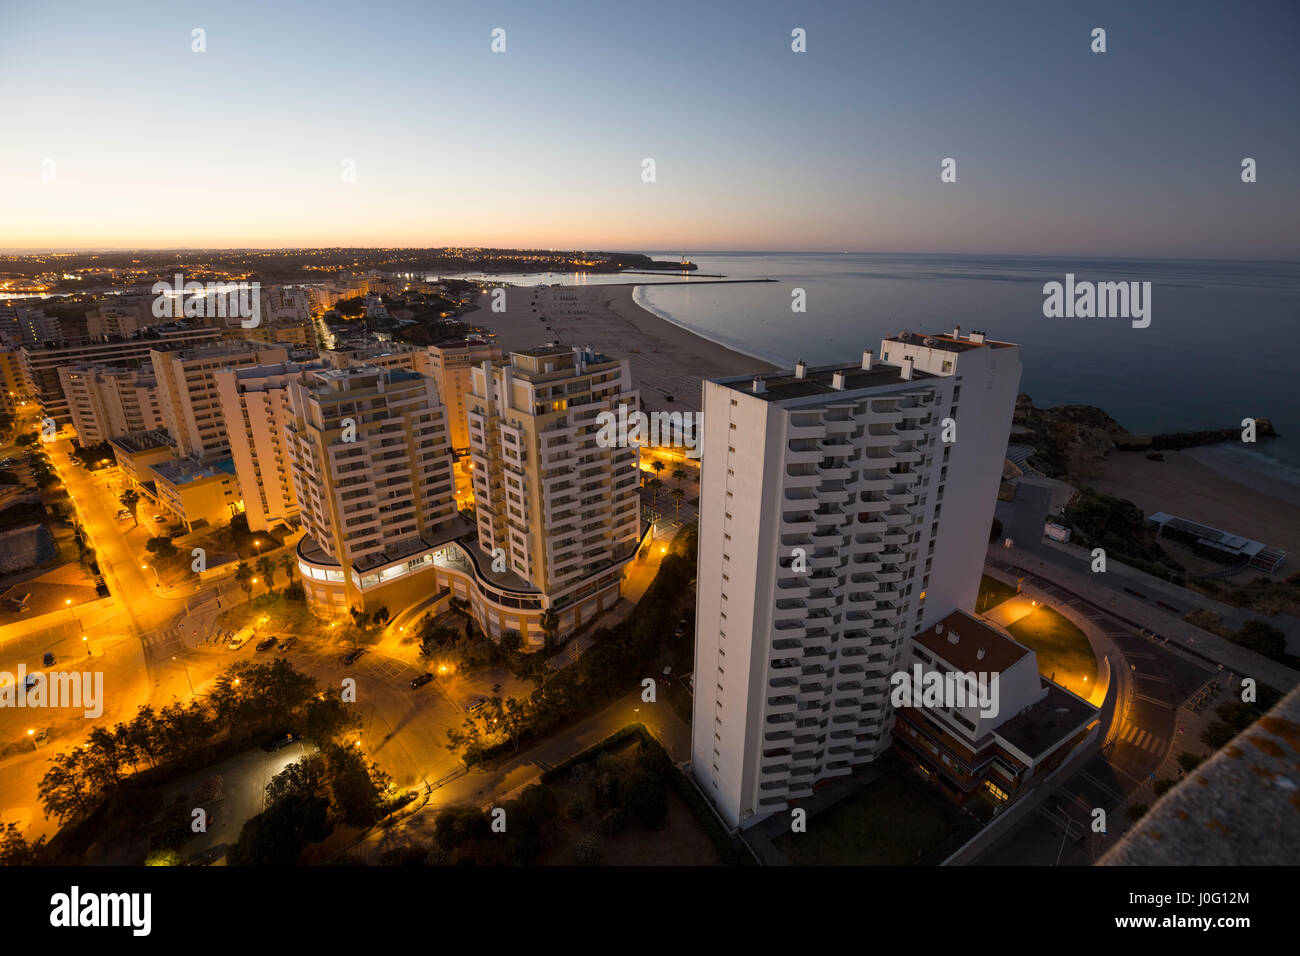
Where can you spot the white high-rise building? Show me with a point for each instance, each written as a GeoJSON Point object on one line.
{"type": "Point", "coordinates": [836, 519]}
{"type": "Point", "coordinates": [187, 392]}
{"type": "Point", "coordinates": [254, 402]}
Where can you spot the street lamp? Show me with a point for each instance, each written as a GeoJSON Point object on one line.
{"type": "Point", "coordinates": [187, 675]}
{"type": "Point", "coordinates": [257, 543]}
{"type": "Point", "coordinates": [156, 579]}
{"type": "Point", "coordinates": [86, 641]}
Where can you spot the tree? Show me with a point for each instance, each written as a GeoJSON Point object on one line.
{"type": "Point", "coordinates": [130, 499]}
{"type": "Point", "coordinates": [15, 850]}
{"type": "Point", "coordinates": [266, 568]}
{"type": "Point", "coordinates": [678, 495]}
{"type": "Point", "coordinates": [550, 623]}
{"type": "Point", "coordinates": [679, 473]}
{"type": "Point", "coordinates": [161, 547]}
{"type": "Point", "coordinates": [277, 836]}
{"type": "Point", "coordinates": [244, 575]}
{"type": "Point", "coordinates": [1262, 638]}
{"type": "Point", "coordinates": [646, 798]}
{"type": "Point", "coordinates": [658, 466]}
{"type": "Point", "coordinates": [654, 484]}
{"type": "Point", "coordinates": [287, 564]}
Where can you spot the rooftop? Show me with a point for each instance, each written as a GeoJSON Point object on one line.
{"type": "Point", "coordinates": [820, 380]}
{"type": "Point", "coordinates": [948, 341]}
{"type": "Point", "coordinates": [183, 471]}
{"type": "Point", "coordinates": [142, 441]}
{"type": "Point", "coordinates": [1000, 651]}
{"type": "Point", "coordinates": [1039, 728]}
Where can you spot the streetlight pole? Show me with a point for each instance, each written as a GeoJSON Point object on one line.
{"type": "Point", "coordinates": [156, 579]}
{"type": "Point", "coordinates": [187, 675]}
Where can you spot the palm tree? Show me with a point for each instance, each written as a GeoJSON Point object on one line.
{"type": "Point", "coordinates": [654, 484]}
{"type": "Point", "coordinates": [130, 498]}
{"type": "Point", "coordinates": [244, 575]}
{"type": "Point", "coordinates": [680, 474]}
{"type": "Point", "coordinates": [266, 567]}
{"type": "Point", "coordinates": [657, 465]}
{"type": "Point", "coordinates": [287, 563]}
{"type": "Point", "coordinates": [678, 495]}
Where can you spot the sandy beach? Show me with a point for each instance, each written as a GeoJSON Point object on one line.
{"type": "Point", "coordinates": [1184, 485]}
{"type": "Point", "coordinates": [666, 359]}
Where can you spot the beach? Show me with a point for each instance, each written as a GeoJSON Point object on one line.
{"type": "Point", "coordinates": [666, 359]}
{"type": "Point", "coordinates": [1186, 485]}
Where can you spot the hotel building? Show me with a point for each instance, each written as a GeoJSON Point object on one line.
{"type": "Point", "coordinates": [451, 365]}
{"type": "Point", "coordinates": [837, 518]}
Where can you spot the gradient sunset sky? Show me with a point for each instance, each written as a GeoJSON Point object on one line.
{"type": "Point", "coordinates": [1060, 151]}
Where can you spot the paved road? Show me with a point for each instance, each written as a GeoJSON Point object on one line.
{"type": "Point", "coordinates": [1161, 681]}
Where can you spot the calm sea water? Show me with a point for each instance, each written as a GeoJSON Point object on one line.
{"type": "Point", "coordinates": [1223, 344]}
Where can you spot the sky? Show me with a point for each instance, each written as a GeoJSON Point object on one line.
{"type": "Point", "coordinates": [117, 134]}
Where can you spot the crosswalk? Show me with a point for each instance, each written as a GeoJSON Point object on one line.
{"type": "Point", "coordinates": [1142, 739]}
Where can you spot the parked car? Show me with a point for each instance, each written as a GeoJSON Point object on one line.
{"type": "Point", "coordinates": [287, 643]}
{"type": "Point", "coordinates": [476, 704]}
{"type": "Point", "coordinates": [42, 737]}
{"type": "Point", "coordinates": [240, 639]}
{"type": "Point", "coordinates": [281, 740]}
{"type": "Point", "coordinates": [160, 518]}
{"type": "Point", "coordinates": [123, 513]}
{"type": "Point", "coordinates": [351, 657]}
{"type": "Point", "coordinates": [421, 680]}
{"type": "Point", "coordinates": [266, 643]}
{"type": "Point", "coordinates": [48, 659]}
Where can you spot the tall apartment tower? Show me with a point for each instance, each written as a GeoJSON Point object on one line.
{"type": "Point", "coordinates": [187, 392]}
{"type": "Point", "coordinates": [106, 402]}
{"type": "Point", "coordinates": [372, 472]}
{"type": "Point", "coordinates": [564, 510]}
{"type": "Point", "coordinates": [255, 405]}
{"type": "Point", "coordinates": [836, 519]}
{"type": "Point", "coordinates": [451, 364]}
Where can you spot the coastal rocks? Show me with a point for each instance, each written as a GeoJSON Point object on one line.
{"type": "Point", "coordinates": [1068, 440]}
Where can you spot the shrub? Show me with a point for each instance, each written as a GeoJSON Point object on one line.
{"type": "Point", "coordinates": [1163, 786]}
{"type": "Point", "coordinates": [612, 822]}
{"type": "Point", "coordinates": [589, 850]}
{"type": "Point", "coordinates": [1189, 761]}
{"type": "Point", "coordinates": [646, 798]}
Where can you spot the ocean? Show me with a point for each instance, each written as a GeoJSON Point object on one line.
{"type": "Point", "coordinates": [1220, 346]}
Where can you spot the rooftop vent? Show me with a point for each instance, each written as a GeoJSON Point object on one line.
{"type": "Point", "coordinates": [800, 369]}
{"type": "Point", "coordinates": [906, 373]}
{"type": "Point", "coordinates": [977, 336]}
{"type": "Point", "coordinates": [928, 342]}
{"type": "Point", "coordinates": [867, 359]}
{"type": "Point", "coordinates": [953, 637]}
{"type": "Point", "coordinates": [979, 655]}
{"type": "Point", "coordinates": [938, 628]}
{"type": "Point", "coordinates": [904, 335]}
{"type": "Point", "coordinates": [956, 331]}
{"type": "Point", "coordinates": [837, 381]}
{"type": "Point", "coordinates": [759, 386]}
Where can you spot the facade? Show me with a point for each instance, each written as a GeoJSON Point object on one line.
{"type": "Point", "coordinates": [137, 453]}
{"type": "Point", "coordinates": [450, 364]}
{"type": "Point", "coordinates": [124, 315]}
{"type": "Point", "coordinates": [835, 522]}
{"type": "Point", "coordinates": [187, 392]}
{"type": "Point", "coordinates": [386, 355]}
{"type": "Point", "coordinates": [968, 750]}
{"type": "Point", "coordinates": [104, 401]}
{"type": "Point", "coordinates": [372, 474]}
{"type": "Point", "coordinates": [20, 325]}
{"type": "Point", "coordinates": [254, 404]}
{"type": "Point", "coordinates": [197, 494]}
{"type": "Point", "coordinates": [562, 511]}
{"type": "Point", "coordinates": [41, 364]}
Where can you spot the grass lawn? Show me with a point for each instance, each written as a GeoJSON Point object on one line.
{"type": "Point", "coordinates": [680, 841]}
{"type": "Point", "coordinates": [1064, 654]}
{"type": "Point", "coordinates": [896, 820]}
{"type": "Point", "coordinates": [992, 593]}
{"type": "Point", "coordinates": [290, 617]}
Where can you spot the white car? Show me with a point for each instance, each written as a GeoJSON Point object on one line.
{"type": "Point", "coordinates": [240, 639]}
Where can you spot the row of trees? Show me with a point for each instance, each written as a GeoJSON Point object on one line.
{"type": "Point", "coordinates": [249, 699]}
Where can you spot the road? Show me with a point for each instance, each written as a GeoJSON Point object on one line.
{"type": "Point", "coordinates": [1161, 680]}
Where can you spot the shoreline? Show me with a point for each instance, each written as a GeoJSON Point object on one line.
{"type": "Point", "coordinates": [669, 362]}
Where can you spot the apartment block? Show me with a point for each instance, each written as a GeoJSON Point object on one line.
{"type": "Point", "coordinates": [105, 401]}
{"type": "Point", "coordinates": [41, 364]}
{"type": "Point", "coordinates": [996, 752]}
{"type": "Point", "coordinates": [451, 364]}
{"type": "Point", "coordinates": [254, 404]}
{"type": "Point", "coordinates": [836, 520]}
{"type": "Point", "coordinates": [20, 325]}
{"type": "Point", "coordinates": [372, 474]}
{"type": "Point", "coordinates": [197, 494]}
{"type": "Point", "coordinates": [563, 511]}
{"type": "Point", "coordinates": [188, 397]}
